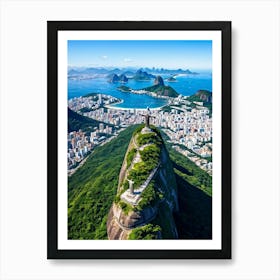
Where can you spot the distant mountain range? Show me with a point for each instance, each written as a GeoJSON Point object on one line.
{"type": "Point", "coordinates": [171, 71]}
{"type": "Point", "coordinates": [138, 76]}
{"type": "Point", "coordinates": [130, 73]}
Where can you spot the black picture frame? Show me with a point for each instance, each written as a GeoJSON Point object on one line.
{"type": "Point", "coordinates": [53, 27]}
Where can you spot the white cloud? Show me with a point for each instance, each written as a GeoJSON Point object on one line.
{"type": "Point", "coordinates": [104, 56]}
{"type": "Point", "coordinates": [127, 60]}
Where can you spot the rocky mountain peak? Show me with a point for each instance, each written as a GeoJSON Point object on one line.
{"type": "Point", "coordinates": [159, 81]}
{"type": "Point", "coordinates": [147, 189]}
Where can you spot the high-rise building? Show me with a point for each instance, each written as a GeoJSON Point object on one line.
{"type": "Point", "coordinates": [101, 127]}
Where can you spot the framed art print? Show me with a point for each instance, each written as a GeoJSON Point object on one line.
{"type": "Point", "coordinates": [139, 140]}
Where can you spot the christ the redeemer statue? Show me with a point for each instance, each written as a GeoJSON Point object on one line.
{"type": "Point", "coordinates": [147, 118]}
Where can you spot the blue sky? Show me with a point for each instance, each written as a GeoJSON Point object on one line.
{"type": "Point", "coordinates": [170, 54]}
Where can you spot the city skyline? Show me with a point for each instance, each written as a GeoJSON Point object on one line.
{"type": "Point", "coordinates": [189, 129]}
{"type": "Point", "coordinates": [172, 54]}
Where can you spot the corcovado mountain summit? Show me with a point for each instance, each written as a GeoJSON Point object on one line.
{"type": "Point", "coordinates": [147, 191]}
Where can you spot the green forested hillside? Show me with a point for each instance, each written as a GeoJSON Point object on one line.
{"type": "Point", "coordinates": [162, 90]}
{"type": "Point", "coordinates": [186, 169]}
{"type": "Point", "coordinates": [93, 187]}
{"type": "Point", "coordinates": [204, 96]}
{"type": "Point", "coordinates": [194, 218]}
{"type": "Point", "coordinates": [77, 121]}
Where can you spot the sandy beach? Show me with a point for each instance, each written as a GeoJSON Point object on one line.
{"type": "Point", "coordinates": [136, 109]}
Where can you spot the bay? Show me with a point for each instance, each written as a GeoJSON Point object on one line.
{"type": "Point", "coordinates": [184, 85]}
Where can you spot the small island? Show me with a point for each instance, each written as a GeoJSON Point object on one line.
{"type": "Point", "coordinates": [114, 78]}
{"type": "Point", "coordinates": [171, 79]}
{"type": "Point", "coordinates": [124, 89]}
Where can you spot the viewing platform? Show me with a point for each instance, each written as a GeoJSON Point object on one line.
{"type": "Point", "coordinates": [133, 196]}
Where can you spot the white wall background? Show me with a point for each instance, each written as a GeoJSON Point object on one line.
{"type": "Point", "coordinates": [255, 139]}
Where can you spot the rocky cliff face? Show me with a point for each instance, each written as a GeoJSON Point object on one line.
{"type": "Point", "coordinates": [203, 95]}
{"type": "Point", "coordinates": [147, 191]}
{"type": "Point", "coordinates": [159, 81]}
{"type": "Point", "coordinates": [114, 78]}
{"type": "Point", "coordinates": [123, 78]}
{"type": "Point", "coordinates": [160, 89]}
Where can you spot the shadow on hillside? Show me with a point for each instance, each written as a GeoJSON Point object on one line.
{"type": "Point", "coordinates": [181, 168]}
{"type": "Point", "coordinates": [194, 219]}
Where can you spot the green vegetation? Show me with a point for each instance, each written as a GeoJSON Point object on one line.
{"type": "Point", "coordinates": [201, 96]}
{"type": "Point", "coordinates": [77, 121]}
{"type": "Point", "coordinates": [142, 76]}
{"type": "Point", "coordinates": [130, 155]}
{"type": "Point", "coordinates": [204, 96]}
{"type": "Point", "coordinates": [148, 197]}
{"type": "Point", "coordinates": [138, 129]}
{"type": "Point", "coordinates": [163, 218]}
{"type": "Point", "coordinates": [117, 198]}
{"type": "Point", "coordinates": [163, 90]}
{"type": "Point", "coordinates": [194, 219]}
{"type": "Point", "coordinates": [139, 173]}
{"type": "Point", "coordinates": [192, 174]}
{"type": "Point", "coordinates": [160, 90]}
{"type": "Point", "coordinates": [124, 89]}
{"type": "Point", "coordinates": [150, 155]}
{"type": "Point", "coordinates": [183, 147]}
{"type": "Point", "coordinates": [148, 138]}
{"type": "Point", "coordinates": [148, 231]}
{"type": "Point", "coordinates": [92, 189]}
{"type": "Point", "coordinates": [186, 169]}
{"type": "Point", "coordinates": [149, 158]}
{"type": "Point", "coordinates": [125, 207]}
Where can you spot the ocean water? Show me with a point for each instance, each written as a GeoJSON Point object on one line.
{"type": "Point", "coordinates": [185, 85]}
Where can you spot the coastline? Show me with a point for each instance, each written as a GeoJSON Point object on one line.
{"type": "Point", "coordinates": [113, 105]}
{"type": "Point", "coordinates": [144, 92]}
{"type": "Point", "coordinates": [136, 109]}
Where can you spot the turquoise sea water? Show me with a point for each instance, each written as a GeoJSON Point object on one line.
{"type": "Point", "coordinates": [185, 85]}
